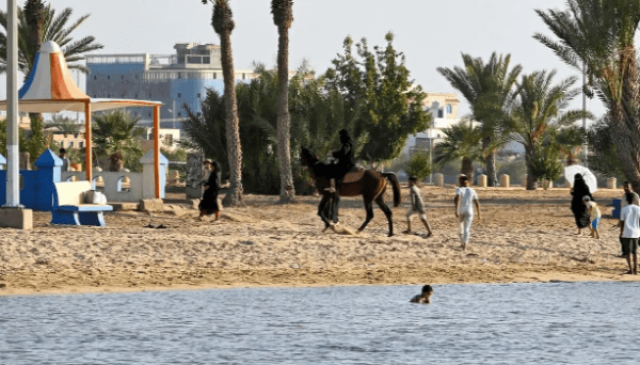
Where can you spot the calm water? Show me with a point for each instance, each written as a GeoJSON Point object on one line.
{"type": "Point", "coordinates": [586, 323]}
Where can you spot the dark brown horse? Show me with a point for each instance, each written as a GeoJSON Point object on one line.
{"type": "Point", "coordinates": [372, 186]}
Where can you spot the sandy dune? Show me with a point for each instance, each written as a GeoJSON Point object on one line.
{"type": "Point", "coordinates": [524, 236]}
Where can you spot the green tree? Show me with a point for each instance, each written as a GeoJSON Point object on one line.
{"type": "Point", "coordinates": [65, 124]}
{"type": "Point", "coordinates": [488, 87]}
{"type": "Point", "coordinates": [419, 165]}
{"type": "Point", "coordinates": [282, 11]}
{"type": "Point", "coordinates": [462, 141]}
{"type": "Point", "coordinates": [54, 27]}
{"type": "Point", "coordinates": [223, 25]}
{"type": "Point", "coordinates": [116, 135]}
{"type": "Point", "coordinates": [545, 165]}
{"type": "Point", "coordinates": [379, 97]}
{"type": "Point", "coordinates": [598, 37]}
{"type": "Point", "coordinates": [539, 113]}
{"type": "Point", "coordinates": [604, 157]}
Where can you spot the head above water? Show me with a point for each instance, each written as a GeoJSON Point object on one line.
{"type": "Point", "coordinates": [463, 180]}
{"type": "Point", "coordinates": [427, 289]}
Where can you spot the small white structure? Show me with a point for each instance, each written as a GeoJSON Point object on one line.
{"type": "Point", "coordinates": [141, 185]}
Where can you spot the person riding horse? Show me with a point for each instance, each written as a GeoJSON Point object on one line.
{"type": "Point", "coordinates": [346, 161]}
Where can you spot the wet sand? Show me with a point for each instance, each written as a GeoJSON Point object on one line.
{"type": "Point", "coordinates": [523, 237]}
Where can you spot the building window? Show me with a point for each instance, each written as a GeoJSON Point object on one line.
{"type": "Point", "coordinates": [179, 75]}
{"type": "Point", "coordinates": [440, 113]}
{"type": "Point", "coordinates": [149, 113]}
{"type": "Point", "coordinates": [449, 109]}
{"type": "Point", "coordinates": [108, 77]}
{"type": "Point", "coordinates": [198, 94]}
{"type": "Point", "coordinates": [215, 75]}
{"type": "Point", "coordinates": [179, 95]}
{"type": "Point", "coordinates": [80, 144]}
{"type": "Point", "coordinates": [244, 76]}
{"type": "Point", "coordinates": [70, 144]}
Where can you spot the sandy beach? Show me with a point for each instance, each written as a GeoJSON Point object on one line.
{"type": "Point", "coordinates": [524, 236]}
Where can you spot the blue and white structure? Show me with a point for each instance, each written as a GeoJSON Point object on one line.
{"type": "Point", "coordinates": [172, 79]}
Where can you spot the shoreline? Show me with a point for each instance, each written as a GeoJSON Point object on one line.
{"type": "Point", "coordinates": [17, 283]}
{"type": "Point", "coordinates": [524, 236]}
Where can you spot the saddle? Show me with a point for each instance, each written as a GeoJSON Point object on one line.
{"type": "Point", "coordinates": [355, 174]}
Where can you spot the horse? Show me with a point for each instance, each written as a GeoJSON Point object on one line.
{"type": "Point", "coordinates": [372, 186]}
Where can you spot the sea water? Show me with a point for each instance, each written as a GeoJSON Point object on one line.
{"type": "Point", "coordinates": [553, 323]}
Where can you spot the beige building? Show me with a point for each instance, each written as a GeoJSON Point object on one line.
{"type": "Point", "coordinates": [444, 113]}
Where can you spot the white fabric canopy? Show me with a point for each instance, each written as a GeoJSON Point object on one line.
{"type": "Point", "coordinates": [57, 106]}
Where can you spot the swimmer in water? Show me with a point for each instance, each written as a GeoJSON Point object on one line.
{"type": "Point", "coordinates": [427, 290]}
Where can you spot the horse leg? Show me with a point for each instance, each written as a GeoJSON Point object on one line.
{"type": "Point", "coordinates": [321, 210]}
{"type": "Point", "coordinates": [369, 207]}
{"type": "Point", "coordinates": [387, 212]}
{"type": "Point", "coordinates": [335, 205]}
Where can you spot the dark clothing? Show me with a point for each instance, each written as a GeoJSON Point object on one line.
{"type": "Point", "coordinates": [346, 160]}
{"type": "Point", "coordinates": [209, 200]}
{"type": "Point", "coordinates": [629, 246]}
{"type": "Point", "coordinates": [578, 208]}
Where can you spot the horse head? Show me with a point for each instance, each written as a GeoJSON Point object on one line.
{"type": "Point", "coordinates": [308, 158]}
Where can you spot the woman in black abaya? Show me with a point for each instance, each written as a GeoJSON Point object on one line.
{"type": "Point", "coordinates": [209, 203]}
{"type": "Point", "coordinates": [579, 209]}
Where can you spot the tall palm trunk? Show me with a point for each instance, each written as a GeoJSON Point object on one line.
{"type": "Point", "coordinates": [626, 119]}
{"type": "Point", "coordinates": [467, 168]}
{"type": "Point", "coordinates": [530, 156]}
{"type": "Point", "coordinates": [492, 174]}
{"type": "Point", "coordinates": [287, 190]}
{"type": "Point", "coordinates": [232, 124]}
{"type": "Point", "coordinates": [223, 25]}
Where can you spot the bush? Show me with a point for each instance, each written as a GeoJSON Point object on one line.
{"type": "Point", "coordinates": [546, 165]}
{"type": "Point", "coordinates": [419, 166]}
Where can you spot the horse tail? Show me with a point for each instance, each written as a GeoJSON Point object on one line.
{"type": "Point", "coordinates": [395, 183]}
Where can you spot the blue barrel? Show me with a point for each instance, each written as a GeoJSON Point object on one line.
{"type": "Point", "coordinates": [616, 208]}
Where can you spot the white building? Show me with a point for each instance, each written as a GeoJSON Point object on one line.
{"type": "Point", "coordinates": [444, 112]}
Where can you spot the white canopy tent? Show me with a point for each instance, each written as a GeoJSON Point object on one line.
{"type": "Point", "coordinates": [51, 89]}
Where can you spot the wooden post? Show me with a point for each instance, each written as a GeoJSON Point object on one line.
{"type": "Point", "coordinates": [156, 148]}
{"type": "Point", "coordinates": [88, 159]}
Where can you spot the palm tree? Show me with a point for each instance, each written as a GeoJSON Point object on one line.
{"type": "Point", "coordinates": [597, 37]}
{"type": "Point", "coordinates": [65, 124]}
{"type": "Point", "coordinates": [223, 25]}
{"type": "Point", "coordinates": [116, 135]}
{"type": "Point", "coordinates": [488, 87]}
{"type": "Point", "coordinates": [282, 11]}
{"type": "Point", "coordinates": [539, 113]}
{"type": "Point", "coordinates": [461, 141]}
{"type": "Point", "coordinates": [54, 28]}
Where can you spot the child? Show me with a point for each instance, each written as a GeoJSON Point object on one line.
{"type": "Point", "coordinates": [464, 201]}
{"type": "Point", "coordinates": [423, 298]}
{"type": "Point", "coordinates": [595, 215]}
{"type": "Point", "coordinates": [417, 207]}
{"type": "Point", "coordinates": [630, 232]}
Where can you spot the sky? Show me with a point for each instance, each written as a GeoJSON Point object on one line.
{"type": "Point", "coordinates": [431, 33]}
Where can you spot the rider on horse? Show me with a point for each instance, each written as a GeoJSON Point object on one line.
{"type": "Point", "coordinates": [346, 161]}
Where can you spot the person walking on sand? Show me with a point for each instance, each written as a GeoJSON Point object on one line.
{"type": "Point", "coordinates": [423, 298]}
{"type": "Point", "coordinates": [630, 232]}
{"type": "Point", "coordinates": [417, 207]}
{"type": "Point", "coordinates": [594, 214]}
{"type": "Point", "coordinates": [464, 201]}
{"type": "Point", "coordinates": [579, 210]}
{"type": "Point", "coordinates": [209, 203]}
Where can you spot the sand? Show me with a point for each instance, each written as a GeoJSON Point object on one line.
{"type": "Point", "coordinates": [524, 236]}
